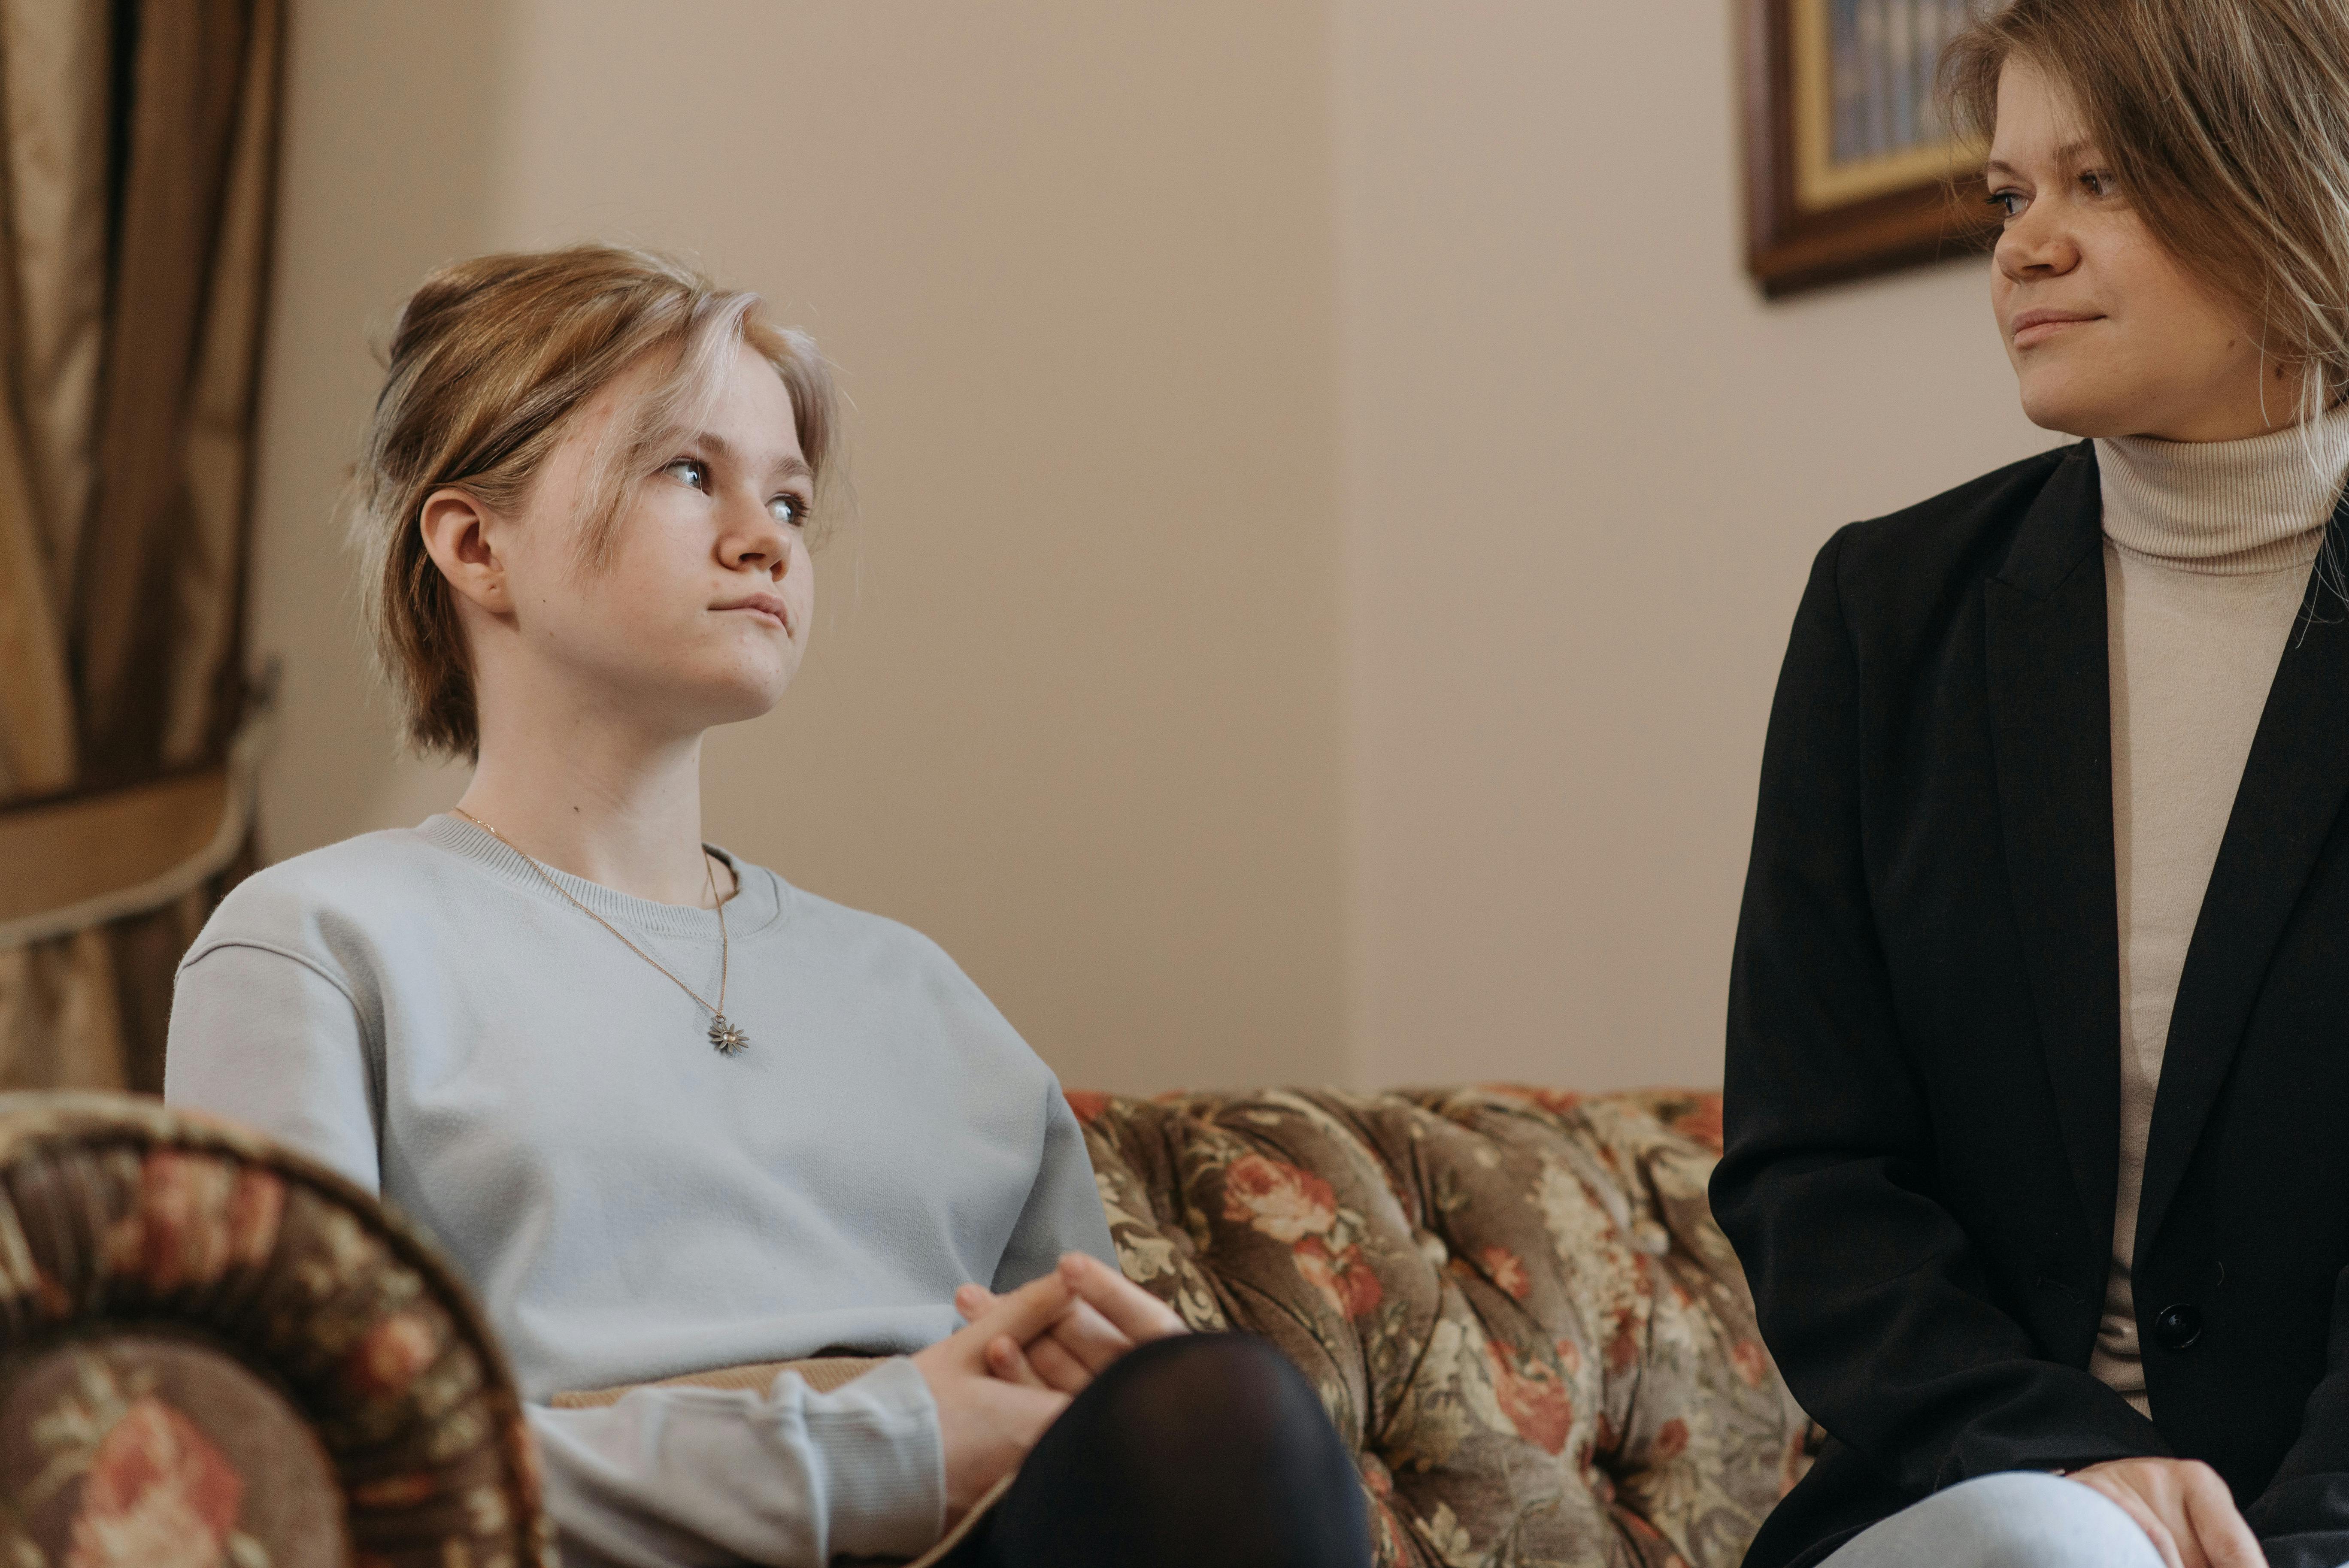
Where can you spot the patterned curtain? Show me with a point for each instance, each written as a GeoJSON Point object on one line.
{"type": "Point", "coordinates": [135, 189]}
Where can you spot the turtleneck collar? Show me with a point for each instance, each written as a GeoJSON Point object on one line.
{"type": "Point", "coordinates": [2225, 508]}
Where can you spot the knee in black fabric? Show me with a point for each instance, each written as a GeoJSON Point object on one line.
{"type": "Point", "coordinates": [1196, 1449]}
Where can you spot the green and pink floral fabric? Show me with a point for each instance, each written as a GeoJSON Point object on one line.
{"type": "Point", "coordinates": [1514, 1302]}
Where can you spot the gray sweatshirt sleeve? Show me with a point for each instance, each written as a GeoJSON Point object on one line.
{"type": "Point", "coordinates": [666, 1478]}
{"type": "Point", "coordinates": [678, 1478]}
{"type": "Point", "coordinates": [1063, 1212]}
{"type": "Point", "coordinates": [272, 1038]}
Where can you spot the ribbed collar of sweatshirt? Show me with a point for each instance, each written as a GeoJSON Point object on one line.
{"type": "Point", "coordinates": [760, 902]}
{"type": "Point", "coordinates": [2225, 508]}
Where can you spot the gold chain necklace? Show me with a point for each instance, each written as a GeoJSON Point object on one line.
{"type": "Point", "coordinates": [723, 1035]}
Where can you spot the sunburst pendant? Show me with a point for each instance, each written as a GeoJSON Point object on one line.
{"type": "Point", "coordinates": [729, 1040]}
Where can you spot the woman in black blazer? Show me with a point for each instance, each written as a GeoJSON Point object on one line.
{"type": "Point", "coordinates": [2038, 1052]}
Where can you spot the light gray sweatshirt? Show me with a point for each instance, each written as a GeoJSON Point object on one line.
{"type": "Point", "coordinates": [421, 1011]}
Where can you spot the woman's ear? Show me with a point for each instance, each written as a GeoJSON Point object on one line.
{"type": "Point", "coordinates": [457, 530]}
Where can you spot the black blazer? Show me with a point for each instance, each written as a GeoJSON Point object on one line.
{"type": "Point", "coordinates": [1923, 1077]}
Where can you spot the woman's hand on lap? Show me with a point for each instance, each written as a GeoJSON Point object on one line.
{"type": "Point", "coordinates": [2183, 1508]}
{"type": "Point", "coordinates": [1065, 1356]}
{"type": "Point", "coordinates": [1109, 1315]}
{"type": "Point", "coordinates": [986, 1424]}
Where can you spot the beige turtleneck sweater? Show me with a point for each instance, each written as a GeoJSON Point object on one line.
{"type": "Point", "coordinates": [2207, 555]}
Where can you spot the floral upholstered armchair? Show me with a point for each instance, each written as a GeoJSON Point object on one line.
{"type": "Point", "coordinates": [1514, 1303]}
{"type": "Point", "coordinates": [215, 1354]}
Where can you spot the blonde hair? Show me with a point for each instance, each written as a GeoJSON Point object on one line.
{"type": "Point", "coordinates": [2227, 124]}
{"type": "Point", "coordinates": [488, 363]}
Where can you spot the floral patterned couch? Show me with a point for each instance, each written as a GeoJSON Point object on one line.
{"type": "Point", "coordinates": [214, 1355]}
{"type": "Point", "coordinates": [1515, 1303]}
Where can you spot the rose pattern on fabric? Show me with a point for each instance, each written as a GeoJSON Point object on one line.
{"type": "Point", "coordinates": [117, 1210]}
{"type": "Point", "coordinates": [1699, 1117]}
{"type": "Point", "coordinates": [155, 1492]}
{"type": "Point", "coordinates": [158, 1494]}
{"type": "Point", "coordinates": [1344, 1279]}
{"type": "Point", "coordinates": [1534, 1398]}
{"type": "Point", "coordinates": [395, 1350]}
{"type": "Point", "coordinates": [1284, 1203]}
{"type": "Point", "coordinates": [1085, 1105]}
{"type": "Point", "coordinates": [1513, 1301]}
{"type": "Point", "coordinates": [1507, 1270]}
{"type": "Point", "coordinates": [197, 1217]}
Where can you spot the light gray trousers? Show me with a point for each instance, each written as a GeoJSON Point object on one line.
{"type": "Point", "coordinates": [2019, 1519]}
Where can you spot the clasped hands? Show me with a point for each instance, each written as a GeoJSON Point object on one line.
{"type": "Point", "coordinates": [1020, 1359]}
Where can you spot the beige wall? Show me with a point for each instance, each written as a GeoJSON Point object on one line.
{"type": "Point", "coordinates": [383, 173]}
{"type": "Point", "coordinates": [1586, 469]}
{"type": "Point", "coordinates": [1079, 719]}
{"type": "Point", "coordinates": [1331, 503]}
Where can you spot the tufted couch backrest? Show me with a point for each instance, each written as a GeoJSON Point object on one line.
{"type": "Point", "coordinates": [1514, 1302]}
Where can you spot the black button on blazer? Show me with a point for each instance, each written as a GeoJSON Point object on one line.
{"type": "Point", "coordinates": [1923, 1074]}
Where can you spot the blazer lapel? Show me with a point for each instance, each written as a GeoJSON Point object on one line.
{"type": "Point", "coordinates": [2292, 790]}
{"type": "Point", "coordinates": [2052, 739]}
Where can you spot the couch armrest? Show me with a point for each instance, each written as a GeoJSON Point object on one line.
{"type": "Point", "coordinates": [213, 1350]}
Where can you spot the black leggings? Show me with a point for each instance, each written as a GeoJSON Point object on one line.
{"type": "Point", "coordinates": [1204, 1450]}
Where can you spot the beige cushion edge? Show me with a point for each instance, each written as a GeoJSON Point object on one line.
{"type": "Point", "coordinates": [822, 1373]}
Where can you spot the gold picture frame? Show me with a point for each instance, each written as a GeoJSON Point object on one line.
{"type": "Point", "coordinates": [1849, 170]}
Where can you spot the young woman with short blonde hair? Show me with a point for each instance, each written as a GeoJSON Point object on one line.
{"type": "Point", "coordinates": [2039, 1014]}
{"type": "Point", "coordinates": [670, 1115]}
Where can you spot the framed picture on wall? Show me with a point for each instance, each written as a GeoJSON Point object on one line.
{"type": "Point", "coordinates": [1849, 165]}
